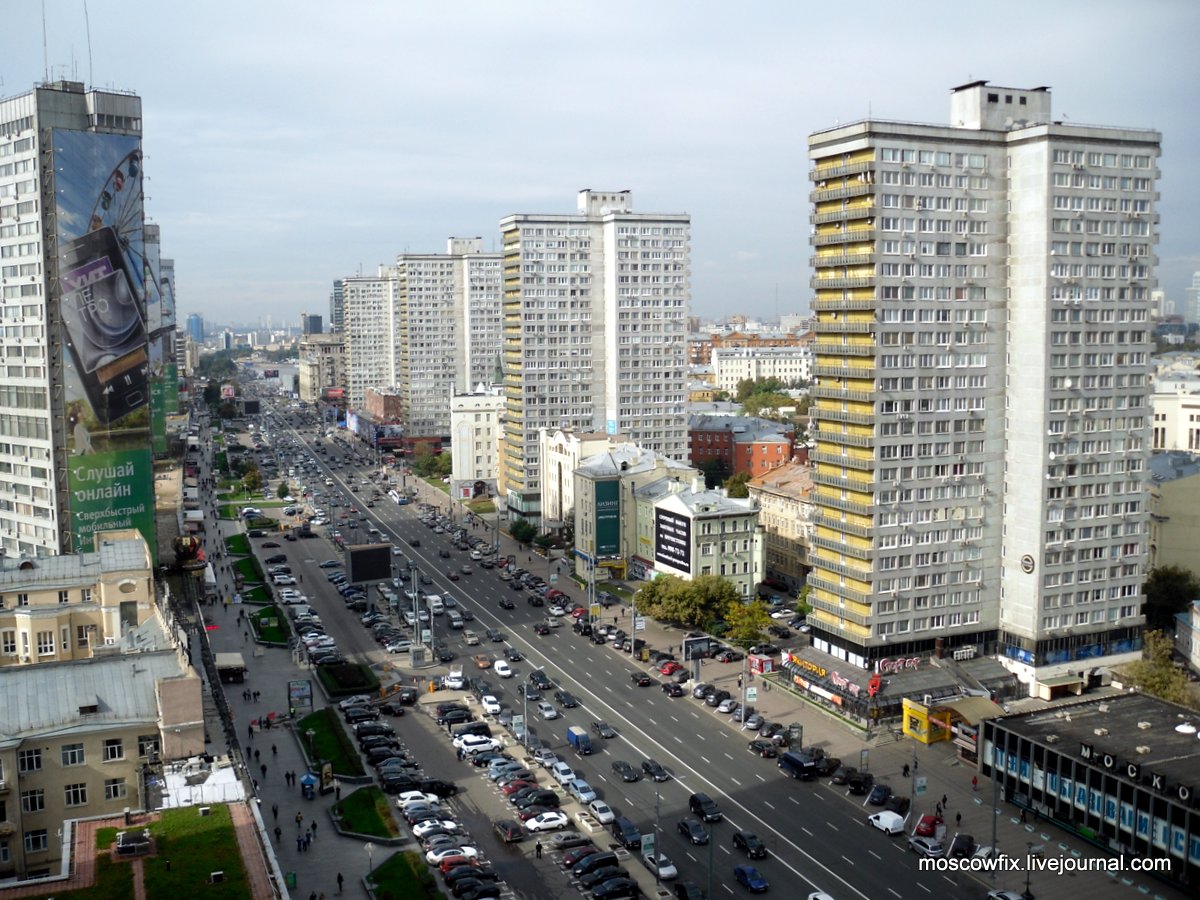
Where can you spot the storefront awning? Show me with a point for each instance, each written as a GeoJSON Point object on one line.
{"type": "Point", "coordinates": [973, 709]}
{"type": "Point", "coordinates": [1061, 681]}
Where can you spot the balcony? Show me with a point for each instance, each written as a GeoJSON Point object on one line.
{"type": "Point", "coordinates": [840, 327]}
{"type": "Point", "coordinates": [827, 371]}
{"type": "Point", "coordinates": [863, 553]}
{"type": "Point", "coordinates": [834, 588]}
{"type": "Point", "coordinates": [844, 349]}
{"type": "Point", "coordinates": [843, 440]}
{"type": "Point", "coordinates": [824, 173]}
{"type": "Point", "coordinates": [841, 612]}
{"type": "Point", "coordinates": [841, 304]}
{"type": "Point", "coordinates": [833, 392]}
{"type": "Point", "coordinates": [842, 215]}
{"type": "Point", "coordinates": [863, 531]}
{"type": "Point", "coordinates": [842, 259]}
{"type": "Point", "coordinates": [837, 415]}
{"type": "Point", "coordinates": [841, 283]}
{"type": "Point", "coordinates": [844, 482]}
{"type": "Point", "coordinates": [850, 506]}
{"type": "Point", "coordinates": [839, 569]}
{"type": "Point", "coordinates": [844, 460]}
{"type": "Point", "coordinates": [840, 192]}
{"type": "Point", "coordinates": [858, 236]}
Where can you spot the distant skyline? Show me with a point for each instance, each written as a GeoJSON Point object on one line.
{"type": "Point", "coordinates": [285, 151]}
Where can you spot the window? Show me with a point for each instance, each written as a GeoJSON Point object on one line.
{"type": "Point", "coordinates": [114, 749]}
{"type": "Point", "coordinates": [64, 597]}
{"type": "Point", "coordinates": [147, 744]}
{"type": "Point", "coordinates": [33, 801]}
{"type": "Point", "coordinates": [72, 755]}
{"type": "Point", "coordinates": [45, 643]}
{"type": "Point", "coordinates": [8, 642]}
{"type": "Point", "coordinates": [36, 841]}
{"type": "Point", "coordinates": [29, 760]}
{"type": "Point", "coordinates": [114, 789]}
{"type": "Point", "coordinates": [75, 794]}
{"type": "Point", "coordinates": [22, 599]}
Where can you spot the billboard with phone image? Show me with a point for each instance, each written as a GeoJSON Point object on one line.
{"type": "Point", "coordinates": [101, 294]}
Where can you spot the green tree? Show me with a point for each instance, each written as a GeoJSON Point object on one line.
{"type": "Point", "coordinates": [738, 485]}
{"type": "Point", "coordinates": [522, 532]}
{"type": "Point", "coordinates": [251, 478]}
{"type": "Point", "coordinates": [1156, 673]}
{"type": "Point", "coordinates": [747, 622]}
{"type": "Point", "coordinates": [803, 607]}
{"type": "Point", "coordinates": [693, 603]}
{"type": "Point", "coordinates": [749, 387]}
{"type": "Point", "coordinates": [766, 404]}
{"type": "Point", "coordinates": [715, 472]}
{"type": "Point", "coordinates": [1169, 589]}
{"type": "Point", "coordinates": [282, 490]}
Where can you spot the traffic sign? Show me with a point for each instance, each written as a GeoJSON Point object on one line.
{"type": "Point", "coordinates": [639, 623]}
{"type": "Point", "coordinates": [751, 694]}
{"type": "Point", "coordinates": [920, 785]}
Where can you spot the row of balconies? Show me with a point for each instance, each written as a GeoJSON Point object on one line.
{"type": "Point", "coordinates": [841, 283]}
{"type": "Point", "coordinates": [850, 506]}
{"type": "Point", "coordinates": [825, 584]}
{"type": "Point", "coordinates": [825, 370]}
{"type": "Point", "coordinates": [839, 569]}
{"type": "Point", "coordinates": [840, 611]}
{"type": "Point", "coordinates": [863, 553]}
{"type": "Point", "coordinates": [863, 531]}
{"type": "Point", "coordinates": [840, 192]}
{"type": "Point", "coordinates": [840, 327]}
{"type": "Point", "coordinates": [837, 415]}
{"type": "Point", "coordinates": [833, 392]}
{"type": "Point", "coordinates": [866, 258]}
{"type": "Point", "coordinates": [858, 236]}
{"type": "Point", "coordinates": [841, 303]}
{"type": "Point", "coordinates": [844, 349]}
{"type": "Point", "coordinates": [844, 460]}
{"type": "Point", "coordinates": [824, 173]}
{"type": "Point", "coordinates": [844, 440]}
{"type": "Point", "coordinates": [843, 482]}
{"type": "Point", "coordinates": [842, 215]}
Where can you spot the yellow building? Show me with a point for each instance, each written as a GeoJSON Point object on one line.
{"type": "Point", "coordinates": [785, 504]}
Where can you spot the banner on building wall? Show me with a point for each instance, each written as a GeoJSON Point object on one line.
{"type": "Point", "coordinates": [101, 292]}
{"type": "Point", "coordinates": [673, 540]}
{"type": "Point", "coordinates": [608, 518]}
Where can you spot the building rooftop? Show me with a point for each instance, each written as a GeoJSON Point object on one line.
{"type": "Point", "coordinates": [789, 480]}
{"type": "Point", "coordinates": [120, 552]}
{"type": "Point", "coordinates": [745, 429]}
{"type": "Point", "coordinates": [1173, 464]}
{"type": "Point", "coordinates": [45, 698]}
{"type": "Point", "coordinates": [1135, 728]}
{"type": "Point", "coordinates": [705, 502]}
{"type": "Point", "coordinates": [627, 459]}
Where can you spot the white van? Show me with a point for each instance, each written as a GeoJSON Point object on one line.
{"type": "Point", "coordinates": [454, 619]}
{"type": "Point", "coordinates": [436, 605]}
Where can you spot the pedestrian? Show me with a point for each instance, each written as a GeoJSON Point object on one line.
{"type": "Point", "coordinates": [299, 843]}
{"type": "Point", "coordinates": [314, 829]}
{"type": "Point", "coordinates": [939, 809]}
{"type": "Point", "coordinates": [307, 841]}
{"type": "Point", "coordinates": [339, 881]}
{"type": "Point", "coordinates": [250, 729]}
{"type": "Point", "coordinates": [256, 754]}
{"type": "Point", "coordinates": [337, 792]}
{"type": "Point", "coordinates": [1024, 816]}
{"type": "Point", "coordinates": [537, 850]}
{"type": "Point", "coordinates": [958, 820]}
{"type": "Point", "coordinates": [275, 811]}
{"type": "Point", "coordinates": [274, 749]}
{"type": "Point", "coordinates": [307, 835]}
{"type": "Point", "coordinates": [914, 764]}
{"type": "Point", "coordinates": [278, 833]}
{"type": "Point", "coordinates": [254, 781]}
{"type": "Point", "coordinates": [245, 637]}
{"type": "Point", "coordinates": [299, 820]}
{"type": "Point", "coordinates": [904, 772]}
{"type": "Point", "coordinates": [945, 802]}
{"type": "Point", "coordinates": [264, 771]}
{"type": "Point", "coordinates": [739, 681]}
{"type": "Point", "coordinates": [974, 782]}
{"type": "Point", "coordinates": [312, 896]}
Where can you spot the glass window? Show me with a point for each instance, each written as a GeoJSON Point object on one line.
{"type": "Point", "coordinates": [29, 760]}
{"type": "Point", "coordinates": [33, 801]}
{"type": "Point", "coordinates": [114, 789]}
{"type": "Point", "coordinates": [72, 755]}
{"type": "Point", "coordinates": [75, 794]}
{"type": "Point", "coordinates": [114, 749]}
{"type": "Point", "coordinates": [36, 841]}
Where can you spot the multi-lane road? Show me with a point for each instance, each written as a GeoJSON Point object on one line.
{"type": "Point", "coordinates": [818, 837]}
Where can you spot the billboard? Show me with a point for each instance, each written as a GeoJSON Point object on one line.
{"type": "Point", "coordinates": [369, 562]}
{"type": "Point", "coordinates": [608, 518]}
{"type": "Point", "coordinates": [101, 293]}
{"type": "Point", "coordinates": [227, 392]}
{"type": "Point", "coordinates": [673, 540]}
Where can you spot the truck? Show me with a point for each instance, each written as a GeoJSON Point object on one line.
{"type": "Point", "coordinates": [231, 668]}
{"type": "Point", "coordinates": [579, 739]}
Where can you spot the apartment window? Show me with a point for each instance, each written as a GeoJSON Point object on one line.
{"type": "Point", "coordinates": [114, 749]}
{"type": "Point", "coordinates": [29, 760]}
{"type": "Point", "coordinates": [5, 854]}
{"type": "Point", "coordinates": [45, 643]}
{"type": "Point", "coordinates": [81, 636]}
{"type": "Point", "coordinates": [114, 789]}
{"type": "Point", "coordinates": [33, 801]}
{"type": "Point", "coordinates": [64, 597]}
{"type": "Point", "coordinates": [75, 794]}
{"type": "Point", "coordinates": [72, 754]}
{"type": "Point", "coordinates": [85, 595]}
{"type": "Point", "coordinates": [22, 599]}
{"type": "Point", "coordinates": [8, 642]}
{"type": "Point", "coordinates": [37, 841]}
{"type": "Point", "coordinates": [147, 744]}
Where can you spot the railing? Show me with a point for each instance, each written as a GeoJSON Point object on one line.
{"type": "Point", "coordinates": [835, 588]}
{"type": "Point", "coordinates": [843, 482]}
{"type": "Point", "coordinates": [822, 392]}
{"type": "Point", "coordinates": [863, 553]}
{"type": "Point", "coordinates": [839, 569]}
{"type": "Point", "coordinates": [845, 327]}
{"type": "Point", "coordinates": [846, 440]}
{"type": "Point", "coordinates": [844, 349]}
{"type": "Point", "coordinates": [842, 303]}
{"type": "Point", "coordinates": [819, 283]}
{"type": "Point", "coordinates": [861, 235]}
{"type": "Point", "coordinates": [842, 259]}
{"type": "Point", "coordinates": [842, 215]}
{"type": "Point", "coordinates": [844, 460]}
{"type": "Point", "coordinates": [841, 192]}
{"type": "Point", "coordinates": [837, 415]}
{"type": "Point", "coordinates": [867, 372]}
{"type": "Point", "coordinates": [850, 506]}
{"type": "Point", "coordinates": [863, 531]}
{"type": "Point", "coordinates": [855, 168]}
{"type": "Point", "coordinates": [840, 611]}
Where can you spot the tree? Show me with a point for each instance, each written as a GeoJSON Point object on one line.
{"type": "Point", "coordinates": [1156, 673]}
{"type": "Point", "coordinates": [764, 404]}
{"type": "Point", "coordinates": [738, 485]}
{"type": "Point", "coordinates": [251, 478]}
{"type": "Point", "coordinates": [282, 490]}
{"type": "Point", "coordinates": [692, 603]}
{"type": "Point", "coordinates": [715, 472]}
{"type": "Point", "coordinates": [1169, 589]}
{"type": "Point", "coordinates": [747, 622]}
{"type": "Point", "coordinates": [803, 607]}
{"type": "Point", "coordinates": [522, 532]}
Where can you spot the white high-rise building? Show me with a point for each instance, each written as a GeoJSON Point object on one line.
{"type": "Point", "coordinates": [982, 411]}
{"type": "Point", "coordinates": [371, 324]}
{"type": "Point", "coordinates": [595, 331]}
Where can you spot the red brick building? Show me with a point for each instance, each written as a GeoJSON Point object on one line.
{"type": "Point", "coordinates": [744, 443]}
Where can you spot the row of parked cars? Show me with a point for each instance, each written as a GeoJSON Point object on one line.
{"type": "Point", "coordinates": [446, 844]}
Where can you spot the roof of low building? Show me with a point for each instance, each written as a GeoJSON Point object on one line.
{"type": "Point", "coordinates": [743, 428]}
{"type": "Point", "coordinates": [628, 459]}
{"type": "Point", "coordinates": [1173, 464]}
{"type": "Point", "coordinates": [791, 480]}
{"type": "Point", "coordinates": [120, 552]}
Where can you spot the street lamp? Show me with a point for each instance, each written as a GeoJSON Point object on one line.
{"type": "Point", "coordinates": [370, 848]}
{"type": "Point", "coordinates": [312, 752]}
{"type": "Point", "coordinates": [1028, 895]}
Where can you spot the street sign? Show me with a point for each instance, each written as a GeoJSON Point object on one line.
{"type": "Point", "coordinates": [920, 785]}
{"type": "Point", "coordinates": [595, 610]}
{"type": "Point", "coordinates": [751, 694]}
{"type": "Point", "coordinates": [639, 623]}
{"type": "Point", "coordinates": [554, 578]}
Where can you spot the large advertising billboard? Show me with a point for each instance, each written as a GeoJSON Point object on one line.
{"type": "Point", "coordinates": [608, 518]}
{"type": "Point", "coordinates": [101, 296]}
{"type": "Point", "coordinates": [673, 540]}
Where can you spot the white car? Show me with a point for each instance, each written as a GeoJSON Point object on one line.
{"type": "Point", "coordinates": [404, 799]}
{"type": "Point", "coordinates": [356, 700]}
{"type": "Point", "coordinates": [601, 811]}
{"type": "Point", "coordinates": [279, 580]}
{"type": "Point", "coordinates": [399, 646]}
{"type": "Point", "coordinates": [434, 857]}
{"type": "Point", "coordinates": [491, 706]}
{"type": "Point", "coordinates": [562, 773]}
{"type": "Point", "coordinates": [547, 821]}
{"type": "Point", "coordinates": [887, 822]}
{"type": "Point", "coordinates": [290, 597]}
{"type": "Point", "coordinates": [421, 829]}
{"type": "Point", "coordinates": [485, 745]}
{"type": "Point", "coordinates": [557, 610]}
{"type": "Point", "coordinates": [547, 711]}
{"type": "Point", "coordinates": [784, 613]}
{"type": "Point", "coordinates": [503, 669]}
{"type": "Point", "coordinates": [661, 865]}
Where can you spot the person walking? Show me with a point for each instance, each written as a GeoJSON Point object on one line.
{"type": "Point", "coordinates": [275, 811]}
{"type": "Point", "coordinates": [340, 879]}
{"type": "Point", "coordinates": [537, 850]}
{"type": "Point", "coordinates": [278, 833]}
{"type": "Point", "coordinates": [974, 782]}
{"type": "Point", "coordinates": [299, 820]}
{"type": "Point", "coordinates": [958, 820]}
{"type": "Point", "coordinates": [264, 771]}
{"type": "Point", "coordinates": [314, 829]}
{"type": "Point", "coordinates": [945, 802]}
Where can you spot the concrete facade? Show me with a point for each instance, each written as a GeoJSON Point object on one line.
{"type": "Point", "coordinates": [790, 364]}
{"type": "Point", "coordinates": [371, 327]}
{"type": "Point", "coordinates": [322, 365]}
{"type": "Point", "coordinates": [475, 441]}
{"type": "Point", "coordinates": [561, 452]}
{"type": "Point", "coordinates": [785, 511]}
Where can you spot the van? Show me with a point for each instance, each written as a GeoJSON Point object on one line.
{"type": "Point", "coordinates": [798, 765]}
{"type": "Point", "coordinates": [300, 610]}
{"type": "Point", "coordinates": [436, 605]}
{"type": "Point", "coordinates": [455, 620]}
{"type": "Point", "coordinates": [704, 808]}
{"type": "Point", "coordinates": [626, 833]}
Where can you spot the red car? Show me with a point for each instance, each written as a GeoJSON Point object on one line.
{"type": "Point", "coordinates": [578, 612]}
{"type": "Point", "coordinates": [575, 854]}
{"type": "Point", "coordinates": [670, 667]}
{"type": "Point", "coordinates": [927, 826]}
{"type": "Point", "coordinates": [453, 576]}
{"type": "Point", "coordinates": [513, 786]}
{"type": "Point", "coordinates": [536, 810]}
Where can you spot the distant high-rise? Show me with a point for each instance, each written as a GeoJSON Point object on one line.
{"type": "Point", "coordinates": [371, 324]}
{"type": "Point", "coordinates": [595, 331]}
{"type": "Point", "coordinates": [981, 414]}
{"type": "Point", "coordinates": [310, 324]}
{"type": "Point", "coordinates": [195, 327]}
{"type": "Point", "coordinates": [337, 320]}
{"type": "Point", "coordinates": [1191, 312]}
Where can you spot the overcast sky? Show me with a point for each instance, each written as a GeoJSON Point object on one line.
{"type": "Point", "coordinates": [291, 143]}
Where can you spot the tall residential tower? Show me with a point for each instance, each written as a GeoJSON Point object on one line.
{"type": "Point", "coordinates": [981, 414]}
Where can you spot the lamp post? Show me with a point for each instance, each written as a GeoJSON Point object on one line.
{"type": "Point", "coordinates": [312, 753]}
{"type": "Point", "coordinates": [1028, 895]}
{"type": "Point", "coordinates": [370, 848]}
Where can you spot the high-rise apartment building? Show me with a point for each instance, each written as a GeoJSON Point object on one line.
{"type": "Point", "coordinates": [310, 323]}
{"type": "Point", "coordinates": [982, 408]}
{"type": "Point", "coordinates": [77, 280]}
{"type": "Point", "coordinates": [195, 327]}
{"type": "Point", "coordinates": [371, 324]}
{"type": "Point", "coordinates": [337, 307]}
{"type": "Point", "coordinates": [450, 327]}
{"type": "Point", "coordinates": [595, 331]}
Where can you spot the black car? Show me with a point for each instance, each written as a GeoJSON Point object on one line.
{"type": "Point", "coordinates": [641, 679]}
{"type": "Point", "coordinates": [879, 795]}
{"type": "Point", "coordinates": [444, 554]}
{"type": "Point", "coordinates": [625, 771]}
{"type": "Point", "coordinates": [716, 698]}
{"type": "Point", "coordinates": [603, 729]}
{"type": "Point", "coordinates": [750, 844]}
{"type": "Point", "coordinates": [535, 600]}
{"type": "Point", "coordinates": [692, 831]}
{"type": "Point", "coordinates": [860, 783]}
{"type": "Point", "coordinates": [602, 874]}
{"type": "Point", "coordinates": [438, 787]}
{"type": "Point", "coordinates": [655, 771]}
{"type": "Point", "coordinates": [506, 603]}
{"type": "Point", "coordinates": [765, 749]}
{"type": "Point", "coordinates": [509, 831]}
{"type": "Point", "coordinates": [540, 680]}
{"type": "Point", "coordinates": [827, 765]}
{"type": "Point", "coordinates": [276, 558]}
{"type": "Point", "coordinates": [779, 631]}
{"type": "Point", "coordinates": [566, 700]}
{"type": "Point", "coordinates": [455, 717]}
{"type": "Point", "coordinates": [494, 635]}
{"type": "Point", "coordinates": [541, 628]}
{"type": "Point", "coordinates": [616, 888]}
{"type": "Point", "coordinates": [672, 689]}
{"type": "Point", "coordinates": [529, 692]}
{"type": "Point", "coordinates": [512, 654]}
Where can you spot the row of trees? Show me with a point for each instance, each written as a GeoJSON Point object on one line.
{"type": "Point", "coordinates": [432, 465]}
{"type": "Point", "coordinates": [707, 603]}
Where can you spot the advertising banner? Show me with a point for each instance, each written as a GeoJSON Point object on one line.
{"type": "Point", "coordinates": [101, 294]}
{"type": "Point", "coordinates": [608, 518]}
{"type": "Point", "coordinates": [673, 540]}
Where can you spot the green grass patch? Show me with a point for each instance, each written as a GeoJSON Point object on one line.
{"type": "Point", "coordinates": [404, 876]}
{"type": "Point", "coordinates": [220, 461]}
{"type": "Point", "coordinates": [271, 625]}
{"type": "Point", "coordinates": [249, 569]}
{"type": "Point", "coordinates": [366, 811]}
{"type": "Point", "coordinates": [614, 589]}
{"type": "Point", "coordinates": [196, 845]}
{"type": "Point", "coordinates": [238, 544]}
{"type": "Point", "coordinates": [259, 595]}
{"type": "Point", "coordinates": [482, 507]}
{"type": "Point", "coordinates": [330, 740]}
{"type": "Point", "coordinates": [105, 837]}
{"type": "Point", "coordinates": [114, 880]}
{"type": "Point", "coordinates": [264, 522]}
{"type": "Point", "coordinates": [347, 679]}
{"type": "Point", "coordinates": [229, 511]}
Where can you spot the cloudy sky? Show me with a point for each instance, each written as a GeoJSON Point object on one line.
{"type": "Point", "coordinates": [291, 143]}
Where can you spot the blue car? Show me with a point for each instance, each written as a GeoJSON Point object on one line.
{"type": "Point", "coordinates": [750, 878]}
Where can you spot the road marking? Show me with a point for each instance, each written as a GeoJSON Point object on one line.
{"type": "Point", "coordinates": [830, 825]}
{"type": "Point", "coordinates": [689, 856]}
{"type": "Point", "coordinates": [806, 831]}
{"type": "Point", "coordinates": [760, 778]}
{"type": "Point", "coordinates": [768, 805]}
{"type": "Point", "coordinates": [925, 889]}
{"type": "Point", "coordinates": [735, 781]}
{"type": "Point", "coordinates": [848, 859]}
{"type": "Point", "coordinates": [727, 756]}
{"type": "Point", "coordinates": [678, 739]}
{"type": "Point", "coordinates": [673, 719]}
{"type": "Point", "coordinates": [651, 721]}
{"type": "Point", "coordinates": [793, 799]}
{"type": "Point", "coordinates": [876, 855]}
{"type": "Point", "coordinates": [725, 850]}
{"type": "Point", "coordinates": [728, 889]}
{"type": "Point", "coordinates": [893, 891]}
{"type": "Point", "coordinates": [706, 762]}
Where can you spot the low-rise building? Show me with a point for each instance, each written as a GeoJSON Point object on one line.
{"type": "Point", "coordinates": [785, 504]}
{"type": "Point", "coordinates": [1176, 407]}
{"type": "Point", "coordinates": [1187, 636]}
{"type": "Point", "coordinates": [790, 364]}
{"type": "Point", "coordinates": [475, 442]}
{"type": "Point", "coordinates": [1174, 510]}
{"type": "Point", "coordinates": [736, 444]}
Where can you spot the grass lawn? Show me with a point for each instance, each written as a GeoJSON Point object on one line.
{"type": "Point", "coordinates": [196, 845]}
{"type": "Point", "coordinates": [615, 589]}
{"type": "Point", "coordinates": [276, 633]}
{"type": "Point", "coordinates": [404, 876]}
{"type": "Point", "coordinates": [330, 741]}
{"type": "Point", "coordinates": [220, 461]}
{"type": "Point", "coordinates": [249, 570]}
{"type": "Point", "coordinates": [114, 880]}
{"type": "Point", "coordinates": [260, 595]}
{"type": "Point", "coordinates": [229, 511]}
{"type": "Point", "coordinates": [344, 680]}
{"type": "Point", "coordinates": [238, 543]}
{"type": "Point", "coordinates": [482, 507]}
{"type": "Point", "coordinates": [367, 811]}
